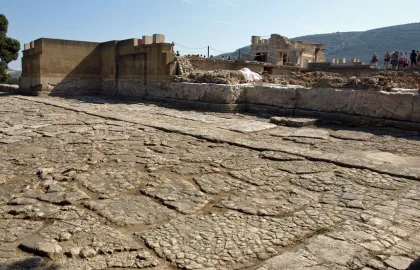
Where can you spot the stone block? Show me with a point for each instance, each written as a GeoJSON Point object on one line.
{"type": "Point", "coordinates": [377, 104]}
{"type": "Point", "coordinates": [37, 245]}
{"type": "Point", "coordinates": [293, 121]}
{"type": "Point", "coordinates": [158, 38]}
{"type": "Point", "coordinates": [211, 93]}
{"type": "Point", "coordinates": [283, 97]}
{"type": "Point", "coordinates": [147, 40]}
{"type": "Point", "coordinates": [27, 46]}
{"type": "Point", "coordinates": [382, 104]}
{"type": "Point", "coordinates": [32, 44]}
{"type": "Point", "coordinates": [415, 115]}
{"type": "Point", "coordinates": [129, 87]}
{"type": "Point", "coordinates": [315, 99]}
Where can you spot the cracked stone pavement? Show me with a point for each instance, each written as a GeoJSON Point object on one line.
{"type": "Point", "coordinates": [96, 183]}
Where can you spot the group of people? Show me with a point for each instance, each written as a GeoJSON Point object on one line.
{"type": "Point", "coordinates": [398, 60]}
{"type": "Point", "coordinates": [226, 58]}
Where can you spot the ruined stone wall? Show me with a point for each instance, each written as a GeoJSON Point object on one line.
{"type": "Point", "coordinates": [11, 88]}
{"type": "Point", "coordinates": [208, 64]}
{"type": "Point", "coordinates": [59, 66]}
{"type": "Point", "coordinates": [211, 64]}
{"type": "Point", "coordinates": [66, 67]}
{"type": "Point", "coordinates": [351, 69]}
{"type": "Point", "coordinates": [341, 103]}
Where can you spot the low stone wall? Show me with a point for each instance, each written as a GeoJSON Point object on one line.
{"type": "Point", "coordinates": [211, 64]}
{"type": "Point", "coordinates": [8, 88]}
{"type": "Point", "coordinates": [385, 105]}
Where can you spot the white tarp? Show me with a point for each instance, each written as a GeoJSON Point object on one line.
{"type": "Point", "coordinates": [250, 76]}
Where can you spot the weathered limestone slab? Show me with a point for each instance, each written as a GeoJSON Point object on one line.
{"type": "Point", "coordinates": [357, 102]}
{"type": "Point", "coordinates": [38, 245]}
{"type": "Point", "coordinates": [212, 93]}
{"type": "Point", "coordinates": [280, 96]}
{"type": "Point", "coordinates": [313, 99]}
{"type": "Point", "coordinates": [415, 116]}
{"type": "Point", "coordinates": [382, 104]}
{"type": "Point", "coordinates": [8, 88]}
{"type": "Point", "coordinates": [293, 122]}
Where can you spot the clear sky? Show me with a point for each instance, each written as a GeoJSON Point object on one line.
{"type": "Point", "coordinates": [222, 24]}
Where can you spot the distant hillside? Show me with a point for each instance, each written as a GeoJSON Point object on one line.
{"type": "Point", "coordinates": [235, 54]}
{"type": "Point", "coordinates": [14, 73]}
{"type": "Point", "coordinates": [363, 44]}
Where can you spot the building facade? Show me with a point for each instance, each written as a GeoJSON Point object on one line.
{"type": "Point", "coordinates": [62, 66]}
{"type": "Point", "coordinates": [279, 50]}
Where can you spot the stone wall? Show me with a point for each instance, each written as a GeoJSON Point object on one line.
{"type": "Point", "coordinates": [207, 64]}
{"type": "Point", "coordinates": [67, 67]}
{"type": "Point", "coordinates": [8, 88]}
{"type": "Point", "coordinates": [375, 104]}
{"type": "Point", "coordinates": [211, 64]}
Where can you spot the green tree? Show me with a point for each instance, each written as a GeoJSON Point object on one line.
{"type": "Point", "coordinates": [9, 48]}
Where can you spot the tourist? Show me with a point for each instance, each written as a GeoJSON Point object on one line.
{"type": "Point", "coordinates": [223, 57]}
{"type": "Point", "coordinates": [406, 60]}
{"type": "Point", "coordinates": [418, 58]}
{"type": "Point", "coordinates": [413, 59]}
{"type": "Point", "coordinates": [394, 60]}
{"type": "Point", "coordinates": [177, 53]}
{"type": "Point", "coordinates": [387, 58]}
{"type": "Point", "coordinates": [401, 61]}
{"type": "Point", "coordinates": [229, 58]}
{"type": "Point", "coordinates": [374, 60]}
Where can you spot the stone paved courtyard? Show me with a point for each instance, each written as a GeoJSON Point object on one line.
{"type": "Point", "coordinates": [93, 183]}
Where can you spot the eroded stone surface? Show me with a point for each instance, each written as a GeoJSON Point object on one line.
{"type": "Point", "coordinates": [131, 210]}
{"type": "Point", "coordinates": [158, 188]}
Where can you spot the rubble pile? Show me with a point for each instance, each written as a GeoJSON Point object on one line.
{"type": "Point", "coordinates": [402, 80]}
{"type": "Point", "coordinates": [382, 81]}
{"type": "Point", "coordinates": [216, 76]}
{"type": "Point", "coordinates": [308, 79]}
{"type": "Point", "coordinates": [185, 65]}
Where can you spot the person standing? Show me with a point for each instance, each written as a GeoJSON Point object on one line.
{"type": "Point", "coordinates": [406, 60]}
{"type": "Point", "coordinates": [401, 61]}
{"type": "Point", "coordinates": [374, 60]}
{"type": "Point", "coordinates": [413, 59]}
{"type": "Point", "coordinates": [394, 60]}
{"type": "Point", "coordinates": [387, 58]}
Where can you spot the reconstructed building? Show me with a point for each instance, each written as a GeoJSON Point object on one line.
{"type": "Point", "coordinates": [279, 50]}
{"type": "Point", "coordinates": [65, 66]}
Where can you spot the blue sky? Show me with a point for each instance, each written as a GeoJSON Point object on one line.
{"type": "Point", "coordinates": [222, 24]}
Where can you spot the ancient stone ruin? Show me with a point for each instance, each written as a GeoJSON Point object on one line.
{"type": "Point", "coordinates": [279, 50]}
